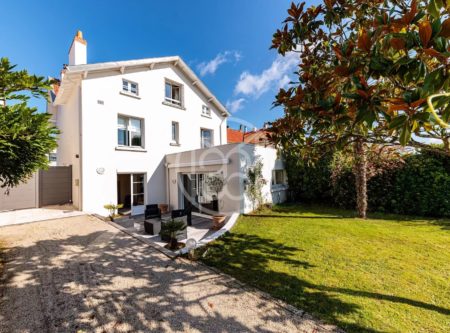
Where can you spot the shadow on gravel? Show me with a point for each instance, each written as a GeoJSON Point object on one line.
{"type": "Point", "coordinates": [108, 282]}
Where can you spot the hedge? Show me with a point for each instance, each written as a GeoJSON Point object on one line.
{"type": "Point", "coordinates": [421, 186]}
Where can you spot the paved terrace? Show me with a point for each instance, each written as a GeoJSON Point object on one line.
{"type": "Point", "coordinates": [201, 228]}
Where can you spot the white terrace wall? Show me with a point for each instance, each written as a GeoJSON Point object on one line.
{"type": "Point", "coordinates": [221, 159]}
{"type": "Point", "coordinates": [233, 162]}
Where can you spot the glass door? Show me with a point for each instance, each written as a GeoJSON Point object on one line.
{"type": "Point", "coordinates": [137, 193]}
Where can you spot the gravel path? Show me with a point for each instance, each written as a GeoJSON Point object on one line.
{"type": "Point", "coordinates": [80, 274]}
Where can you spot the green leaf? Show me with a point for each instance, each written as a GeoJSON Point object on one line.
{"type": "Point", "coordinates": [405, 134]}
{"type": "Point", "coordinates": [433, 8]}
{"type": "Point", "coordinates": [433, 81]}
{"type": "Point", "coordinates": [397, 121]}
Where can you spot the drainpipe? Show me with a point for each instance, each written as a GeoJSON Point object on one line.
{"type": "Point", "coordinates": [167, 184]}
{"type": "Point", "coordinates": [220, 129]}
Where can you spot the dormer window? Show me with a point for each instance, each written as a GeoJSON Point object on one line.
{"type": "Point", "coordinates": [206, 111]}
{"type": "Point", "coordinates": [173, 93]}
{"type": "Point", "coordinates": [130, 87]}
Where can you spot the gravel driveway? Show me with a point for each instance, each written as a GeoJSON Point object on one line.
{"type": "Point", "coordinates": [80, 274]}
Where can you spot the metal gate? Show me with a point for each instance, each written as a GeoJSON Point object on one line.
{"type": "Point", "coordinates": [55, 186]}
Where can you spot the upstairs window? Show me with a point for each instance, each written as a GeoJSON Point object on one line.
{"type": "Point", "coordinates": [175, 132]}
{"type": "Point", "coordinates": [206, 138]}
{"type": "Point", "coordinates": [129, 131]}
{"type": "Point", "coordinates": [173, 93]}
{"type": "Point", "coordinates": [52, 157]}
{"type": "Point", "coordinates": [130, 87]}
{"type": "Point", "coordinates": [206, 111]}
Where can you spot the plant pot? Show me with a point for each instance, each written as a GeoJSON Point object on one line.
{"type": "Point", "coordinates": [164, 208]}
{"type": "Point", "coordinates": [215, 205]}
{"type": "Point", "coordinates": [218, 221]}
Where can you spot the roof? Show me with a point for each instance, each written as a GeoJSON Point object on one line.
{"type": "Point", "coordinates": [234, 136]}
{"type": "Point", "coordinates": [257, 137]}
{"type": "Point", "coordinates": [72, 74]}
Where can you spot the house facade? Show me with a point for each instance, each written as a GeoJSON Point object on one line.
{"type": "Point", "coordinates": [119, 121]}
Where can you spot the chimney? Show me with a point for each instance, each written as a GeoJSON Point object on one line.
{"type": "Point", "coordinates": [78, 50]}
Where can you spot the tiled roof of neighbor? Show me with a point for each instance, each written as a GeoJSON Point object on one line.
{"type": "Point", "coordinates": [234, 136]}
{"type": "Point", "coordinates": [257, 137]}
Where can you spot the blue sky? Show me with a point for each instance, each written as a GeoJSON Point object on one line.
{"type": "Point", "coordinates": [225, 42]}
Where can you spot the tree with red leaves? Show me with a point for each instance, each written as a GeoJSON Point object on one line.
{"type": "Point", "coordinates": [366, 70]}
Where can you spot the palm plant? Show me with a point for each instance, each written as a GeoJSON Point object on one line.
{"type": "Point", "coordinates": [170, 230]}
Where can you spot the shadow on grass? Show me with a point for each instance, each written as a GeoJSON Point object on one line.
{"type": "Point", "coordinates": [294, 216]}
{"type": "Point", "coordinates": [249, 258]}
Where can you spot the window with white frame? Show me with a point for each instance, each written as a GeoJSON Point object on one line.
{"type": "Point", "coordinates": [278, 177]}
{"type": "Point", "coordinates": [130, 87]}
{"type": "Point", "coordinates": [129, 131]}
{"type": "Point", "coordinates": [175, 132]}
{"type": "Point", "coordinates": [173, 93]}
{"type": "Point", "coordinates": [206, 111]}
{"type": "Point", "coordinates": [206, 138]}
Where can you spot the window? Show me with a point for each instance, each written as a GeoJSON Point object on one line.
{"type": "Point", "coordinates": [173, 93]}
{"type": "Point", "coordinates": [129, 132]}
{"type": "Point", "coordinates": [138, 189]}
{"type": "Point", "coordinates": [130, 87]}
{"type": "Point", "coordinates": [206, 138]}
{"type": "Point", "coordinates": [175, 132]}
{"type": "Point", "coordinates": [52, 157]}
{"type": "Point", "coordinates": [206, 111]}
{"type": "Point", "coordinates": [277, 177]}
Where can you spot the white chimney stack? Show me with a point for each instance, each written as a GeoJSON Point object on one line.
{"type": "Point", "coordinates": [78, 50]}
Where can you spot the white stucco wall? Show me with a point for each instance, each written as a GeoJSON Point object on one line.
{"type": "Point", "coordinates": [99, 132]}
{"type": "Point", "coordinates": [233, 162]}
{"type": "Point", "coordinates": [269, 157]}
{"type": "Point", "coordinates": [223, 160]}
{"type": "Point", "coordinates": [67, 121]}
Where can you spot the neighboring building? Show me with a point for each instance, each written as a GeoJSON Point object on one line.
{"type": "Point", "coordinates": [119, 120]}
{"type": "Point", "coordinates": [256, 136]}
{"type": "Point", "coordinates": [235, 136]}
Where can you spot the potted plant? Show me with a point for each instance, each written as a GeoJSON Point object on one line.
{"type": "Point", "coordinates": [169, 230]}
{"type": "Point", "coordinates": [216, 184]}
{"type": "Point", "coordinates": [113, 210]}
{"type": "Point", "coordinates": [164, 208]}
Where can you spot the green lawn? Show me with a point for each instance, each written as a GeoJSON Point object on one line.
{"type": "Point", "coordinates": [383, 274]}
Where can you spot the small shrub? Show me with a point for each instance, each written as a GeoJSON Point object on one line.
{"type": "Point", "coordinates": [112, 209]}
{"type": "Point", "coordinates": [170, 230]}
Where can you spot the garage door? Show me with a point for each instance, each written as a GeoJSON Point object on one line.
{"type": "Point", "coordinates": [55, 186]}
{"type": "Point", "coordinates": [23, 196]}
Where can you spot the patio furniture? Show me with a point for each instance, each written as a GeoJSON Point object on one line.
{"type": "Point", "coordinates": [177, 213]}
{"type": "Point", "coordinates": [164, 208]}
{"type": "Point", "coordinates": [152, 211]}
{"type": "Point", "coordinates": [152, 226]}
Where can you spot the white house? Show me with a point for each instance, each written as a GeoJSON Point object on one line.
{"type": "Point", "coordinates": [126, 126]}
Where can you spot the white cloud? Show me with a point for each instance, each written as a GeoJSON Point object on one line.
{"type": "Point", "coordinates": [235, 105]}
{"type": "Point", "coordinates": [211, 66]}
{"type": "Point", "coordinates": [277, 75]}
